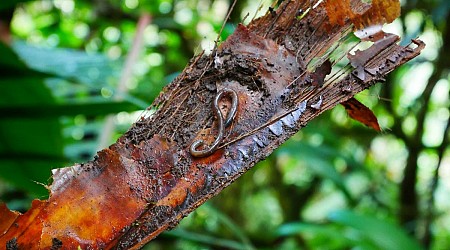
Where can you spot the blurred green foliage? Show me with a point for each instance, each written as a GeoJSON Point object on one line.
{"type": "Point", "coordinates": [335, 185]}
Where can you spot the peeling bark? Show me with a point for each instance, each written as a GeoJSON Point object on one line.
{"type": "Point", "coordinates": [148, 181]}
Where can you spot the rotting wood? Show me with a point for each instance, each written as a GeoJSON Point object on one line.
{"type": "Point", "coordinates": [148, 181]}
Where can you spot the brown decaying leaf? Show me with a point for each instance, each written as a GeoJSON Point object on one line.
{"type": "Point", "coordinates": [358, 111]}
{"type": "Point", "coordinates": [318, 77]}
{"type": "Point", "coordinates": [7, 218]}
{"type": "Point", "coordinates": [147, 181]}
{"type": "Point", "coordinates": [381, 12]}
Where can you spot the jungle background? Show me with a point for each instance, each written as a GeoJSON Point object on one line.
{"type": "Point", "coordinates": [74, 75]}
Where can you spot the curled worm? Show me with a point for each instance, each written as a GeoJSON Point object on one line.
{"type": "Point", "coordinates": [222, 124]}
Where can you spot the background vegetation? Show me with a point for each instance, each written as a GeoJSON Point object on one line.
{"type": "Point", "coordinates": [335, 185]}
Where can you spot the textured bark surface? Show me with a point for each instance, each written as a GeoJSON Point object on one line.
{"type": "Point", "coordinates": [148, 181]}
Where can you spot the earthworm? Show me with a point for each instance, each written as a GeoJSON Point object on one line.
{"type": "Point", "coordinates": [222, 124]}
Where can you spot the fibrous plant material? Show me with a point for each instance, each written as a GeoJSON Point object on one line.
{"type": "Point", "coordinates": [280, 66]}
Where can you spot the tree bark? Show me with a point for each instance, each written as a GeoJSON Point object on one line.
{"type": "Point", "coordinates": [150, 179]}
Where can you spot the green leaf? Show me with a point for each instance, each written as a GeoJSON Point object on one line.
{"type": "Point", "coordinates": [72, 109]}
{"type": "Point", "coordinates": [88, 69]}
{"type": "Point", "coordinates": [205, 239]}
{"type": "Point", "coordinates": [11, 66]}
{"type": "Point", "coordinates": [8, 4]}
{"type": "Point", "coordinates": [323, 236]}
{"type": "Point", "coordinates": [294, 228]}
{"type": "Point", "coordinates": [319, 161]}
{"type": "Point", "coordinates": [228, 222]}
{"type": "Point", "coordinates": [30, 145]}
{"type": "Point", "coordinates": [381, 234]}
{"type": "Point", "coordinates": [29, 173]}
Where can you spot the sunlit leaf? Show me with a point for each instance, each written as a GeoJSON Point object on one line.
{"type": "Point", "coordinates": [381, 234]}
{"type": "Point", "coordinates": [324, 236]}
{"type": "Point", "coordinates": [91, 69]}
